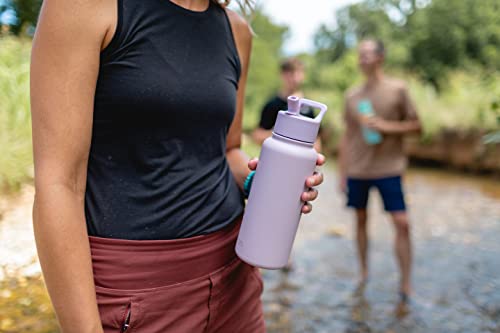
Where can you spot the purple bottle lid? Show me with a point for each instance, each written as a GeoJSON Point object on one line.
{"type": "Point", "coordinates": [291, 124]}
{"type": "Point", "coordinates": [293, 105]}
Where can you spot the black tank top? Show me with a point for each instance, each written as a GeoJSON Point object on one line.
{"type": "Point", "coordinates": [164, 101]}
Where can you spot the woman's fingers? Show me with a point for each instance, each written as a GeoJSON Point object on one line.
{"type": "Point", "coordinates": [315, 180]}
{"type": "Point", "coordinates": [310, 195]}
{"type": "Point", "coordinates": [307, 208]}
{"type": "Point", "coordinates": [252, 164]}
{"type": "Point", "coordinates": [321, 160]}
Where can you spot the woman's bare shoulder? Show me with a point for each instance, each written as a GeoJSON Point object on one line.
{"type": "Point", "coordinates": [71, 21]}
{"type": "Point", "coordinates": [239, 22]}
{"type": "Point", "coordinates": [241, 29]}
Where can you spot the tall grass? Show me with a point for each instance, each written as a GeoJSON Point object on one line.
{"type": "Point", "coordinates": [15, 120]}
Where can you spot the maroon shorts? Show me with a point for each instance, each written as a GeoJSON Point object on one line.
{"type": "Point", "coordinates": [182, 286]}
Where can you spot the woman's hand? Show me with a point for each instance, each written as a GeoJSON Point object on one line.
{"type": "Point", "coordinates": [315, 180]}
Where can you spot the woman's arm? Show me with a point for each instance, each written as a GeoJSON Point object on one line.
{"type": "Point", "coordinates": [237, 159]}
{"type": "Point", "coordinates": [64, 68]}
{"type": "Point", "coordinates": [259, 135]}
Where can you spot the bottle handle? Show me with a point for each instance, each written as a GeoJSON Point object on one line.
{"type": "Point", "coordinates": [322, 107]}
{"type": "Point", "coordinates": [295, 103]}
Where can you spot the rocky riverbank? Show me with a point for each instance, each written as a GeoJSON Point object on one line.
{"type": "Point", "coordinates": [459, 150]}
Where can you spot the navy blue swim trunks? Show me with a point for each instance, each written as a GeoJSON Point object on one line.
{"type": "Point", "coordinates": [390, 189]}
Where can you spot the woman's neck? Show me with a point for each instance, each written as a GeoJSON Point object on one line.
{"type": "Point", "coordinates": [194, 5]}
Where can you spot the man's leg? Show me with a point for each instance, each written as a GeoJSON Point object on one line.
{"type": "Point", "coordinates": [362, 242]}
{"type": "Point", "coordinates": [391, 190]}
{"type": "Point", "coordinates": [357, 195]}
{"type": "Point", "coordinates": [403, 249]}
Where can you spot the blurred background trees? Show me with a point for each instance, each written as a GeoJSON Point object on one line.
{"type": "Point", "coordinates": [447, 50]}
{"type": "Point", "coordinates": [20, 15]}
{"type": "Point", "coordinates": [429, 38]}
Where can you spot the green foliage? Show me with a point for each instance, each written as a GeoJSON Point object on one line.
{"type": "Point", "coordinates": [26, 12]}
{"type": "Point", "coordinates": [15, 121]}
{"type": "Point", "coordinates": [448, 51]}
{"type": "Point", "coordinates": [249, 147]}
{"type": "Point", "coordinates": [263, 77]}
{"type": "Point", "coordinates": [494, 137]}
{"type": "Point", "coordinates": [468, 98]}
{"type": "Point", "coordinates": [338, 75]}
{"type": "Point", "coordinates": [465, 104]}
{"type": "Point", "coordinates": [468, 101]}
{"type": "Point", "coordinates": [328, 82]}
{"type": "Point", "coordinates": [431, 38]}
{"type": "Point", "coordinates": [380, 19]}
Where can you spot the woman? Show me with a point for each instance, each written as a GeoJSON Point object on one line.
{"type": "Point", "coordinates": [137, 110]}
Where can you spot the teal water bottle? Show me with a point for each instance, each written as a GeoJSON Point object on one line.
{"type": "Point", "coordinates": [371, 136]}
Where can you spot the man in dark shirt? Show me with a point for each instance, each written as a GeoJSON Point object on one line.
{"type": "Point", "coordinates": [292, 78]}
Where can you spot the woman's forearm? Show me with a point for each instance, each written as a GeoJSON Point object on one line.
{"type": "Point", "coordinates": [238, 163]}
{"type": "Point", "coordinates": [64, 253]}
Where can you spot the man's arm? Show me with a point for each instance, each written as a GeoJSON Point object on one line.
{"type": "Point", "coordinates": [393, 126]}
{"type": "Point", "coordinates": [259, 135]}
{"type": "Point", "coordinates": [410, 123]}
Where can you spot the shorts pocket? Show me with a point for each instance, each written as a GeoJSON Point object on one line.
{"type": "Point", "coordinates": [257, 276]}
{"type": "Point", "coordinates": [180, 308]}
{"type": "Point", "coordinates": [119, 313]}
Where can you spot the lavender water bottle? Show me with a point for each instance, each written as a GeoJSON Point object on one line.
{"type": "Point", "coordinates": [274, 206]}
